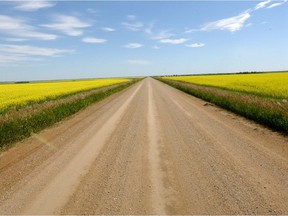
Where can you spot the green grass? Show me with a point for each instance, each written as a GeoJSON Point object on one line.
{"type": "Point", "coordinates": [271, 113]}
{"type": "Point", "coordinates": [15, 130]}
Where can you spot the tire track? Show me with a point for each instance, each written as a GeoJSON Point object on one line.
{"type": "Point", "coordinates": [156, 176]}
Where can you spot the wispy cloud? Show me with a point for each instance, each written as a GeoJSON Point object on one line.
{"type": "Point", "coordinates": [11, 54]}
{"type": "Point", "coordinates": [108, 29]}
{"type": "Point", "coordinates": [133, 45]}
{"type": "Point", "coordinates": [38, 35]}
{"type": "Point", "coordinates": [133, 26]}
{"type": "Point", "coordinates": [231, 24]}
{"type": "Point", "coordinates": [14, 59]}
{"type": "Point", "coordinates": [163, 34]}
{"type": "Point", "coordinates": [138, 62]}
{"type": "Point", "coordinates": [276, 4]}
{"type": "Point", "coordinates": [32, 50]}
{"type": "Point", "coordinates": [33, 5]}
{"type": "Point", "coordinates": [20, 28]}
{"type": "Point", "coordinates": [68, 25]}
{"type": "Point", "coordinates": [93, 40]}
{"type": "Point", "coordinates": [174, 41]}
{"type": "Point", "coordinates": [195, 45]}
{"type": "Point", "coordinates": [235, 23]}
{"type": "Point", "coordinates": [15, 39]}
{"type": "Point", "coordinates": [157, 34]}
{"type": "Point", "coordinates": [262, 4]}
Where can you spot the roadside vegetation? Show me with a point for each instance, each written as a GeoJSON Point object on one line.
{"type": "Point", "coordinates": [259, 97]}
{"type": "Point", "coordinates": [30, 116]}
{"type": "Point", "coordinates": [268, 85]}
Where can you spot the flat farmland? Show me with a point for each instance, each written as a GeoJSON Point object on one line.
{"type": "Point", "coordinates": [22, 94]}
{"type": "Point", "coordinates": [272, 85]}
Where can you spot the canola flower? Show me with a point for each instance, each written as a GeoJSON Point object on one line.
{"type": "Point", "coordinates": [272, 85]}
{"type": "Point", "coordinates": [19, 95]}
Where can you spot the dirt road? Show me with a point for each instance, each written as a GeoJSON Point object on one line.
{"type": "Point", "coordinates": [150, 149]}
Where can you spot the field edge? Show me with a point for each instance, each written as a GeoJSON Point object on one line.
{"type": "Point", "coordinates": [18, 129]}
{"type": "Point", "coordinates": [260, 110]}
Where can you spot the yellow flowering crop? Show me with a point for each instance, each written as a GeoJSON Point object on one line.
{"type": "Point", "coordinates": [273, 85]}
{"type": "Point", "coordinates": [14, 95]}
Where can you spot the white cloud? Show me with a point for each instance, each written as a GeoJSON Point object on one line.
{"type": "Point", "coordinates": [20, 28]}
{"type": "Point", "coordinates": [231, 24]}
{"type": "Point", "coordinates": [13, 59]}
{"type": "Point", "coordinates": [157, 35]}
{"type": "Point", "coordinates": [33, 5]}
{"type": "Point", "coordinates": [38, 35]}
{"type": "Point", "coordinates": [133, 45]}
{"type": "Point", "coordinates": [262, 4]}
{"type": "Point", "coordinates": [188, 31]}
{"type": "Point", "coordinates": [276, 4]}
{"type": "Point", "coordinates": [93, 40]}
{"type": "Point", "coordinates": [12, 54]}
{"type": "Point", "coordinates": [138, 62]}
{"type": "Point", "coordinates": [108, 29]}
{"type": "Point", "coordinates": [15, 39]}
{"type": "Point", "coordinates": [69, 25]}
{"type": "Point", "coordinates": [195, 45]}
{"type": "Point", "coordinates": [235, 23]}
{"type": "Point", "coordinates": [32, 50]}
{"type": "Point", "coordinates": [174, 41]}
{"type": "Point", "coordinates": [133, 26]}
{"type": "Point", "coordinates": [162, 35]}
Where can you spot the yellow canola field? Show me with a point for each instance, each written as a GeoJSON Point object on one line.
{"type": "Point", "coordinates": [273, 85]}
{"type": "Point", "coordinates": [18, 95]}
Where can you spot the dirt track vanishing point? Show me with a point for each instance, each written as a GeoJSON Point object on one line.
{"type": "Point", "coordinates": [150, 149]}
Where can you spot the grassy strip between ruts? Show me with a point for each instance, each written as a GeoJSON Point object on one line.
{"type": "Point", "coordinates": [271, 113]}
{"type": "Point", "coordinates": [20, 128]}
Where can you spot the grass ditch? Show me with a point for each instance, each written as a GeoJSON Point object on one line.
{"type": "Point", "coordinates": [272, 113]}
{"type": "Point", "coordinates": [16, 129]}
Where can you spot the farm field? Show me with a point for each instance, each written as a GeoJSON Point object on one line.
{"type": "Point", "coordinates": [22, 94]}
{"type": "Point", "coordinates": [272, 85]}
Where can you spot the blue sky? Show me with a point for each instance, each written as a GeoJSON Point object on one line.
{"type": "Point", "coordinates": [42, 40]}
